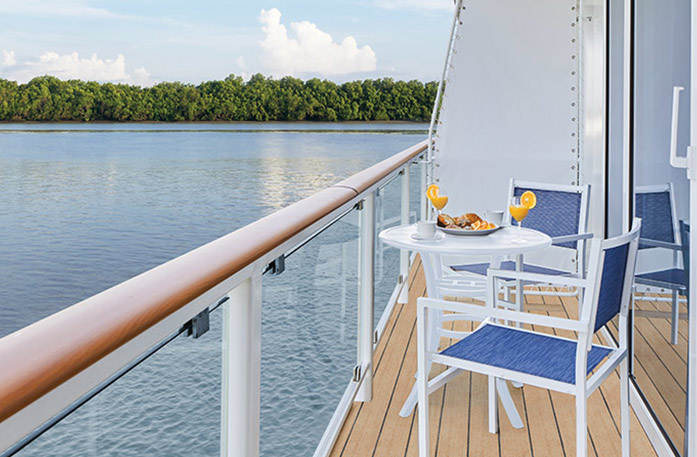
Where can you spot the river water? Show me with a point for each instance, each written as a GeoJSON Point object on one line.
{"type": "Point", "coordinates": [85, 207]}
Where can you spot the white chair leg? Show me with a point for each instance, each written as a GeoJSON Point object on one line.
{"type": "Point", "coordinates": [432, 337]}
{"type": "Point", "coordinates": [411, 401]}
{"type": "Point", "coordinates": [493, 406]}
{"type": "Point", "coordinates": [422, 382]}
{"type": "Point", "coordinates": [508, 404]}
{"type": "Point", "coordinates": [581, 425]}
{"type": "Point", "coordinates": [624, 406]}
{"type": "Point", "coordinates": [675, 318]}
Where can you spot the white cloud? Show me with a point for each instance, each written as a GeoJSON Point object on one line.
{"type": "Point", "coordinates": [429, 5]}
{"type": "Point", "coordinates": [71, 66]}
{"type": "Point", "coordinates": [310, 51]}
{"type": "Point", "coordinates": [8, 58]}
{"type": "Point", "coordinates": [141, 77]}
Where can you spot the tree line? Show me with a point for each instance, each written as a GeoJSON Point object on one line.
{"type": "Point", "coordinates": [261, 98]}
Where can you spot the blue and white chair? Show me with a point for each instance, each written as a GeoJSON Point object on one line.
{"type": "Point", "coordinates": [540, 359]}
{"type": "Point", "coordinates": [561, 213]}
{"type": "Point", "coordinates": [660, 231]}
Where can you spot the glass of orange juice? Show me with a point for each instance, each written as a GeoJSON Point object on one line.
{"type": "Point", "coordinates": [439, 202]}
{"type": "Point", "coordinates": [518, 212]}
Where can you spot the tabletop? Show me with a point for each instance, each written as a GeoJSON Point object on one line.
{"type": "Point", "coordinates": [496, 243]}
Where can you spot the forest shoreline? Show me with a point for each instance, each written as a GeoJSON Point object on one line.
{"type": "Point", "coordinates": [260, 99]}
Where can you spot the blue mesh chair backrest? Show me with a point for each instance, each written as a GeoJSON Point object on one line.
{"type": "Point", "coordinates": [655, 211]}
{"type": "Point", "coordinates": [611, 284]}
{"type": "Point", "coordinates": [685, 240]}
{"type": "Point", "coordinates": [557, 213]}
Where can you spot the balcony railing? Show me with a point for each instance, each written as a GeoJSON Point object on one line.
{"type": "Point", "coordinates": [54, 366]}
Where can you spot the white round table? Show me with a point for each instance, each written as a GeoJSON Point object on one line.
{"type": "Point", "coordinates": [497, 244]}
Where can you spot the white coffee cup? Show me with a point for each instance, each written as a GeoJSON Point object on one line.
{"type": "Point", "coordinates": [426, 229]}
{"type": "Point", "coordinates": [495, 217]}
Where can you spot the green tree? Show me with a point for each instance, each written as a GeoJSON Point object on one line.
{"type": "Point", "coordinates": [262, 98]}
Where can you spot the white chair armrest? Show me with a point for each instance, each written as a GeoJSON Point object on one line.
{"type": "Point", "coordinates": [660, 244]}
{"type": "Point", "coordinates": [568, 238]}
{"type": "Point", "coordinates": [468, 309]}
{"type": "Point", "coordinates": [537, 277]}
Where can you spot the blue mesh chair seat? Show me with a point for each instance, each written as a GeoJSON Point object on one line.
{"type": "Point", "coordinates": [481, 268]}
{"type": "Point", "coordinates": [675, 277]}
{"type": "Point", "coordinates": [527, 352]}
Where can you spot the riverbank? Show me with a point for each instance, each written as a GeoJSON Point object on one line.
{"type": "Point", "coordinates": [261, 98]}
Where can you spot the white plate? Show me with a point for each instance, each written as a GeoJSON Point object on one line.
{"type": "Point", "coordinates": [463, 232]}
{"type": "Point", "coordinates": [439, 236]}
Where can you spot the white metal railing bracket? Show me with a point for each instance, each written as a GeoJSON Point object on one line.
{"type": "Point", "coordinates": [356, 373]}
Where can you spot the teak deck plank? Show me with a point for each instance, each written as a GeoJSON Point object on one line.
{"type": "Point", "coordinates": [458, 412]}
{"type": "Point", "coordinates": [363, 435]}
{"type": "Point", "coordinates": [394, 440]}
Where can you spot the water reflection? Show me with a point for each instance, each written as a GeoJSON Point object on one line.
{"type": "Point", "coordinates": [80, 212]}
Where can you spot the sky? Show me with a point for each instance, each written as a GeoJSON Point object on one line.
{"type": "Point", "coordinates": [144, 42]}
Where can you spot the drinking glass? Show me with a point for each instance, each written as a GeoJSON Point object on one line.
{"type": "Point", "coordinates": [518, 212]}
{"type": "Point", "coordinates": [439, 202]}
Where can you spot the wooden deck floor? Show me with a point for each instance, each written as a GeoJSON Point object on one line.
{"type": "Point", "coordinates": [459, 410]}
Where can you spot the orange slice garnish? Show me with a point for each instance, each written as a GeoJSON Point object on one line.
{"type": "Point", "coordinates": [432, 192]}
{"type": "Point", "coordinates": [528, 199]}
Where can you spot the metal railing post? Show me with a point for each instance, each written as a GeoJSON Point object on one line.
{"type": "Point", "coordinates": [241, 370]}
{"type": "Point", "coordinates": [366, 272]}
{"type": "Point", "coordinates": [422, 190]}
{"type": "Point", "coordinates": [404, 255]}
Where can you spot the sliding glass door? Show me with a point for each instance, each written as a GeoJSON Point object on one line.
{"type": "Point", "coordinates": [661, 198]}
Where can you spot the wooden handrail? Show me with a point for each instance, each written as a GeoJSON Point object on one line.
{"type": "Point", "coordinates": [44, 355]}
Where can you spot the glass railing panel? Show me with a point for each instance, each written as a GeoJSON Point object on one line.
{"type": "Point", "coordinates": [167, 405]}
{"type": "Point", "coordinates": [309, 321]}
{"type": "Point", "coordinates": [388, 214]}
{"type": "Point", "coordinates": [415, 191]}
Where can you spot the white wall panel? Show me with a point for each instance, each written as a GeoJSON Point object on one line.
{"type": "Point", "coordinates": [511, 103]}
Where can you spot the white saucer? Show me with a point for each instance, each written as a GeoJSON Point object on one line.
{"type": "Point", "coordinates": [439, 236]}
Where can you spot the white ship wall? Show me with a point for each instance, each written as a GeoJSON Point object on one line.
{"type": "Point", "coordinates": [511, 107]}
